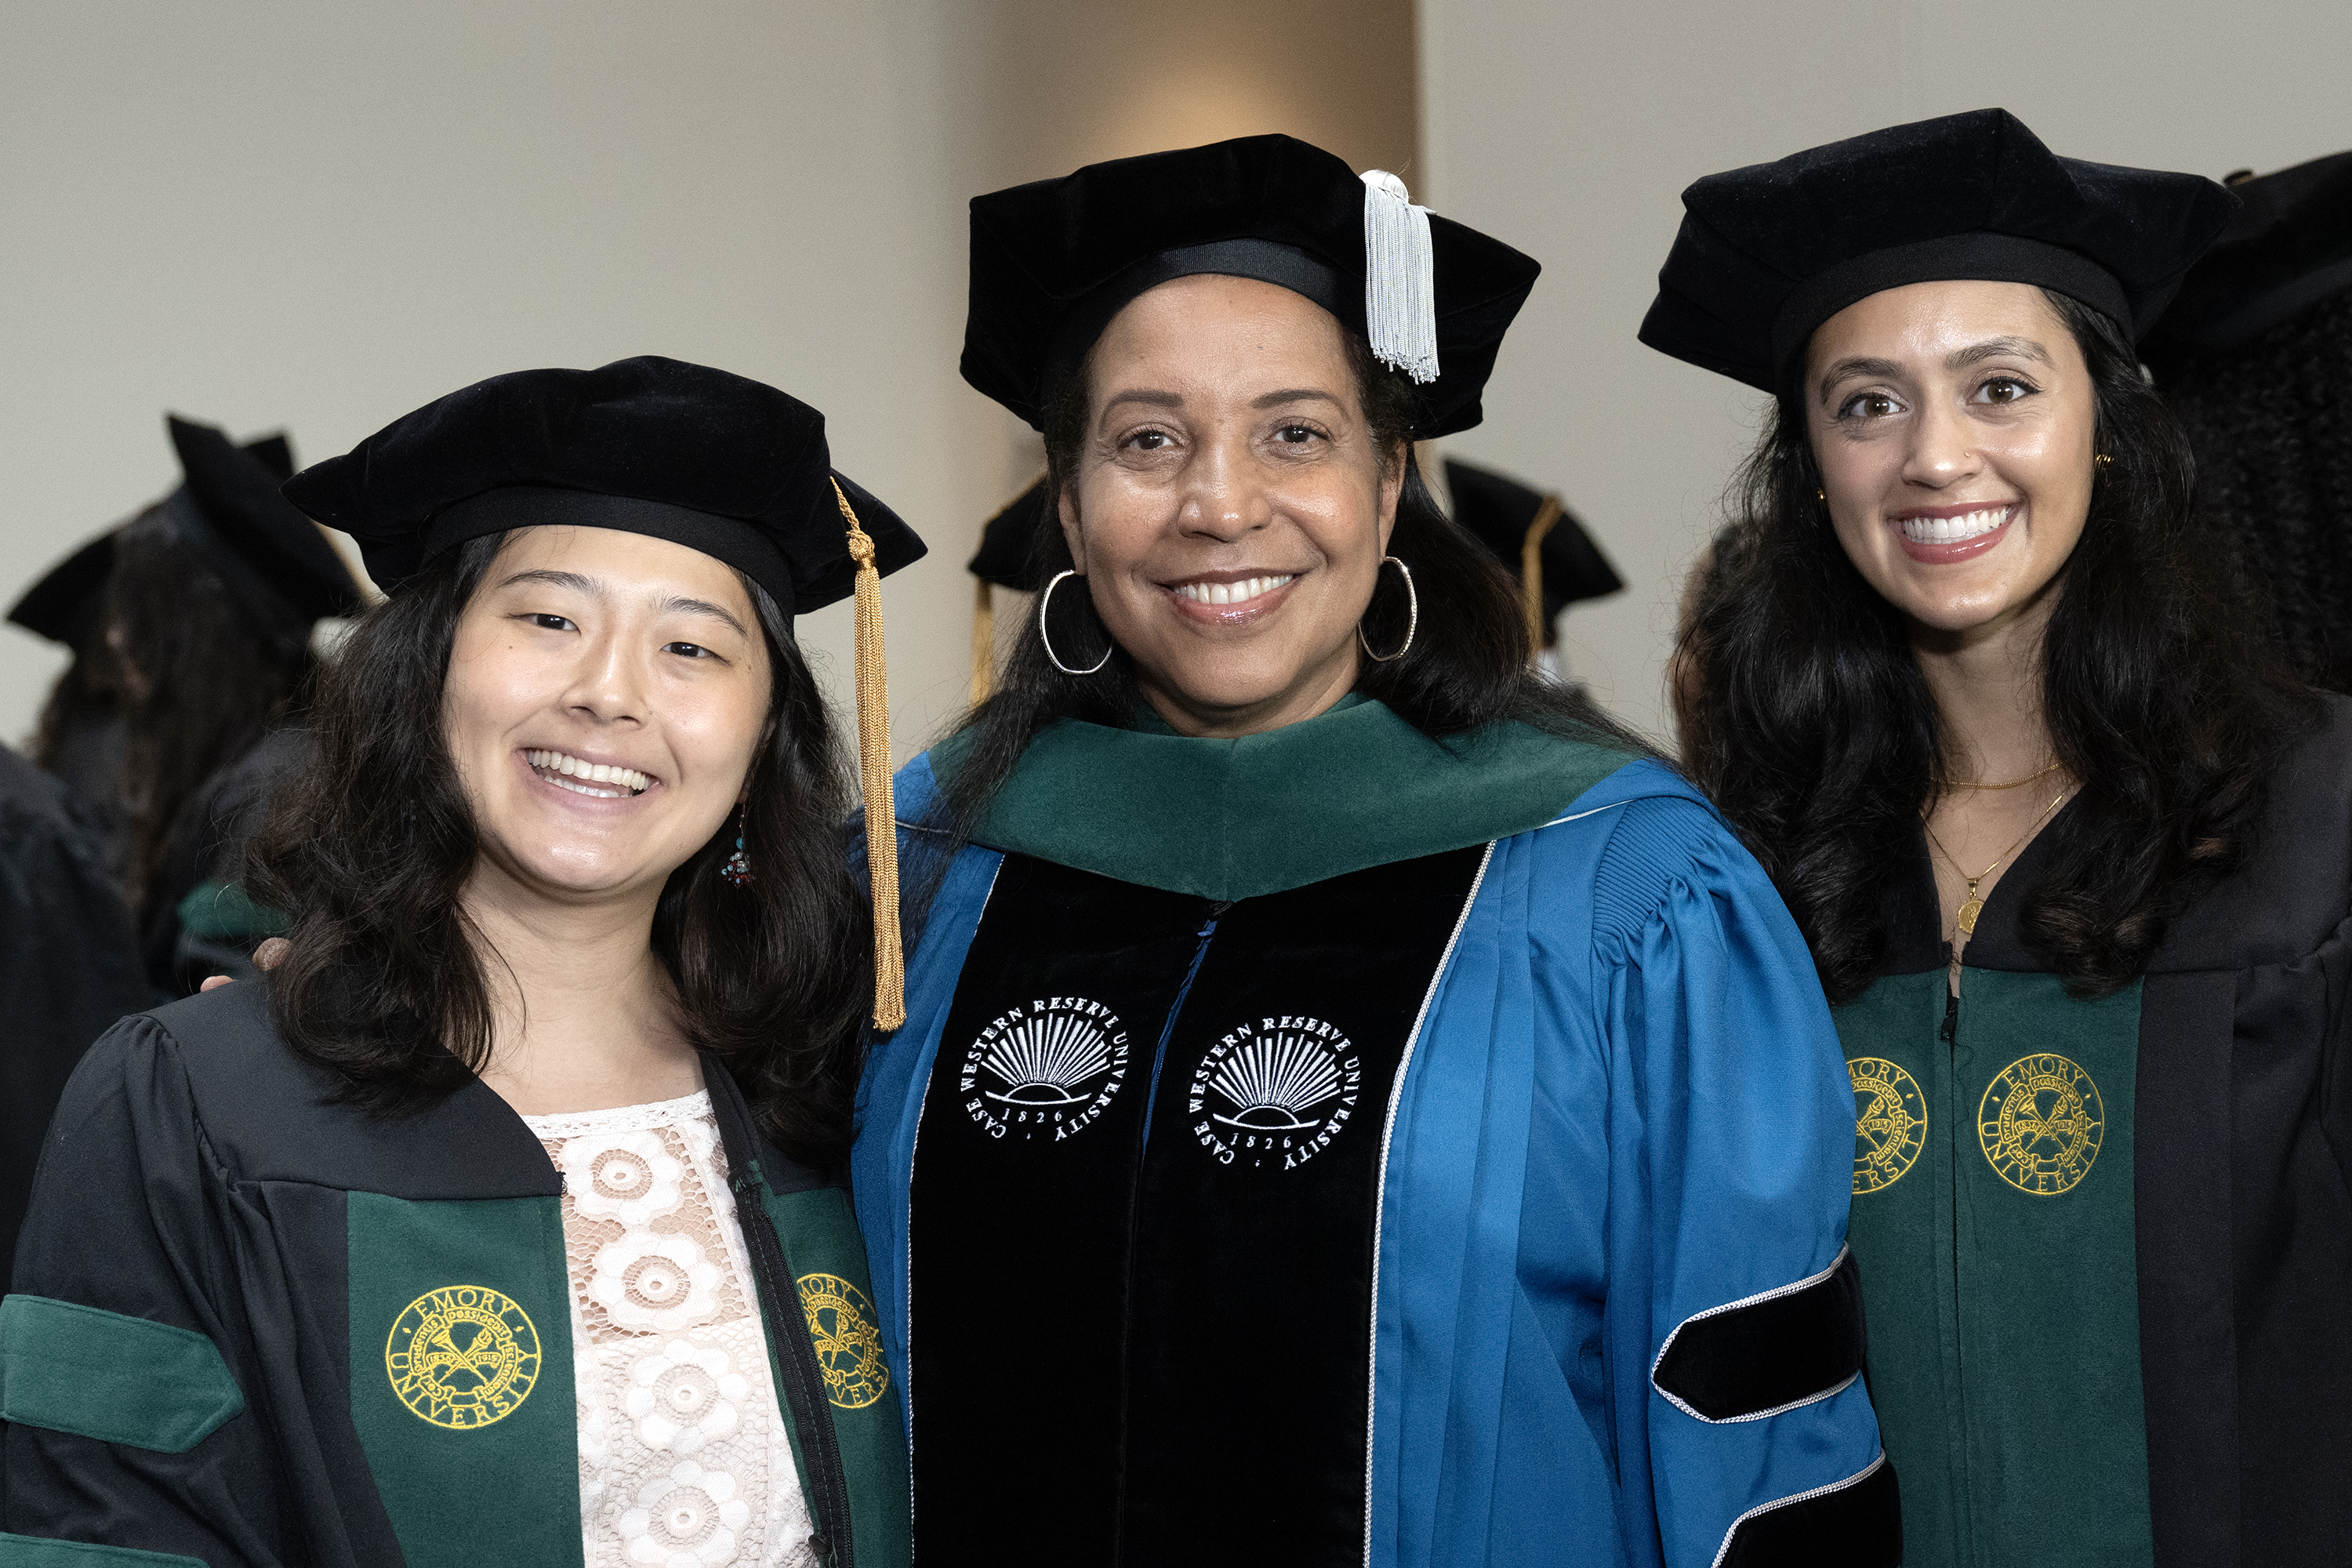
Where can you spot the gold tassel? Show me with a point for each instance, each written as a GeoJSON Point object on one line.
{"type": "Point", "coordinates": [983, 644]}
{"type": "Point", "coordinates": [874, 774]}
{"type": "Point", "coordinates": [1531, 575]}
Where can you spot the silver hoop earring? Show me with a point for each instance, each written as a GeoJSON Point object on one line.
{"type": "Point", "coordinates": [1047, 598]}
{"type": "Point", "coordinates": [1411, 615]}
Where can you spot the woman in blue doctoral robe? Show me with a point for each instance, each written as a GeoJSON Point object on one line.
{"type": "Point", "coordinates": [1350, 1107]}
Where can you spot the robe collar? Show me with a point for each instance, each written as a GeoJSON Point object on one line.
{"type": "Point", "coordinates": [1353, 787]}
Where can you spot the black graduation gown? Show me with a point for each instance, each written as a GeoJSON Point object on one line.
{"type": "Point", "coordinates": [2223, 1163]}
{"type": "Point", "coordinates": [226, 1377]}
{"type": "Point", "coordinates": [68, 968]}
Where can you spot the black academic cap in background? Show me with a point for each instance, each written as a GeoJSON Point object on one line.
{"type": "Point", "coordinates": [277, 564]}
{"type": "Point", "coordinates": [704, 459]}
{"type": "Point", "coordinates": [1502, 512]}
{"type": "Point", "coordinates": [1768, 253]}
{"type": "Point", "coordinates": [1007, 540]}
{"type": "Point", "coordinates": [2289, 247]}
{"type": "Point", "coordinates": [64, 604]}
{"type": "Point", "coordinates": [1054, 261]}
{"type": "Point", "coordinates": [282, 570]}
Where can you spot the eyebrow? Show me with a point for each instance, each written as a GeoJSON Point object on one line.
{"type": "Point", "coordinates": [575, 581]}
{"type": "Point", "coordinates": [683, 607]}
{"type": "Point", "coordinates": [1139, 394]}
{"type": "Point", "coordinates": [578, 582]}
{"type": "Point", "coordinates": [1293, 394]}
{"type": "Point", "coordinates": [1993, 348]}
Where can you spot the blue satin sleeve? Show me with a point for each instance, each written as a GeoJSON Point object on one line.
{"type": "Point", "coordinates": [1731, 1128]}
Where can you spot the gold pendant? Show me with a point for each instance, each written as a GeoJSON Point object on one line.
{"type": "Point", "coordinates": [1966, 916]}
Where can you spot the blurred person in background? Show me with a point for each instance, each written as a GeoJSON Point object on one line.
{"type": "Point", "coordinates": [1348, 1099]}
{"type": "Point", "coordinates": [504, 1221]}
{"type": "Point", "coordinates": [78, 738]}
{"type": "Point", "coordinates": [2071, 843]}
{"type": "Point", "coordinates": [209, 606]}
{"type": "Point", "coordinates": [68, 968]}
{"type": "Point", "coordinates": [2255, 356]}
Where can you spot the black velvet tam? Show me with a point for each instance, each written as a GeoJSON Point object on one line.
{"type": "Point", "coordinates": [1500, 510]}
{"type": "Point", "coordinates": [1768, 253]}
{"type": "Point", "coordinates": [291, 567]}
{"type": "Point", "coordinates": [2289, 247]}
{"type": "Point", "coordinates": [1006, 556]}
{"type": "Point", "coordinates": [718, 463]}
{"type": "Point", "coordinates": [1053, 262]}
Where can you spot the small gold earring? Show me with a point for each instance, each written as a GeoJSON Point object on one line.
{"type": "Point", "coordinates": [1823, 494]}
{"type": "Point", "coordinates": [2102, 459]}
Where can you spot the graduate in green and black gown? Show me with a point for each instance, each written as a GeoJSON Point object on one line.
{"type": "Point", "coordinates": [2070, 844]}
{"type": "Point", "coordinates": [503, 1221]}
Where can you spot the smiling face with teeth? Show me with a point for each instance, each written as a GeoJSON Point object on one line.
{"type": "Point", "coordinates": [605, 696]}
{"type": "Point", "coordinates": [1954, 426]}
{"type": "Point", "coordinates": [1231, 505]}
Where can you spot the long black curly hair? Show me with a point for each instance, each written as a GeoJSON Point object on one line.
{"type": "Point", "coordinates": [1807, 719]}
{"type": "Point", "coordinates": [1467, 666]}
{"type": "Point", "coordinates": [2271, 426]}
{"type": "Point", "coordinates": [368, 847]}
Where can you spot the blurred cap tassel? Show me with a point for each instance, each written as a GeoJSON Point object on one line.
{"type": "Point", "coordinates": [983, 644]}
{"type": "Point", "coordinates": [874, 776]}
{"type": "Point", "coordinates": [1531, 584]}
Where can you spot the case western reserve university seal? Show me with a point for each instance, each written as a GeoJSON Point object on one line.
{"type": "Point", "coordinates": [1047, 1068]}
{"type": "Point", "coordinates": [1276, 1091]}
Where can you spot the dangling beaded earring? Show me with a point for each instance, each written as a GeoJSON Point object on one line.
{"type": "Point", "coordinates": [738, 866]}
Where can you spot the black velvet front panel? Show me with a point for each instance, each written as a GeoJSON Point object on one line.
{"type": "Point", "coordinates": [1145, 1214]}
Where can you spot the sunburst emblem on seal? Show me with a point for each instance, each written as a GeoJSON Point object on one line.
{"type": "Point", "coordinates": [462, 1356]}
{"type": "Point", "coordinates": [1048, 1068]}
{"type": "Point", "coordinates": [2039, 1123]}
{"type": "Point", "coordinates": [1890, 1122]}
{"type": "Point", "coordinates": [1275, 1092]}
{"type": "Point", "coordinates": [848, 1345]}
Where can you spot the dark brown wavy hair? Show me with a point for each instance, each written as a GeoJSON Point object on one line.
{"type": "Point", "coordinates": [1806, 717]}
{"type": "Point", "coordinates": [197, 687]}
{"type": "Point", "coordinates": [368, 846]}
{"type": "Point", "coordinates": [1467, 666]}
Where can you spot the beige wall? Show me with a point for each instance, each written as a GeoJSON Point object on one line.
{"type": "Point", "coordinates": [265, 213]}
{"type": "Point", "coordinates": [1570, 129]}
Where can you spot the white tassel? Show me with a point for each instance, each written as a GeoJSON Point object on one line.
{"type": "Point", "coordinates": [1399, 278]}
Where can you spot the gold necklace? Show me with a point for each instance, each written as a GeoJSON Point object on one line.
{"type": "Point", "coordinates": [1964, 919]}
{"type": "Point", "coordinates": [2013, 784]}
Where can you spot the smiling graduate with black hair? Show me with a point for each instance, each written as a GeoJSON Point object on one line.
{"type": "Point", "coordinates": [503, 1221]}
{"type": "Point", "coordinates": [2071, 843]}
{"type": "Point", "coordinates": [1351, 1108]}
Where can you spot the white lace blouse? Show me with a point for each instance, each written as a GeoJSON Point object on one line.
{"type": "Point", "coordinates": [685, 1461]}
